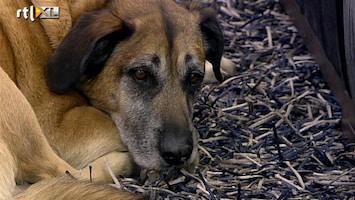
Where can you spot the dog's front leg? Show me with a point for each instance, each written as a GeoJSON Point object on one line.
{"type": "Point", "coordinates": [23, 146]}
{"type": "Point", "coordinates": [116, 162]}
{"type": "Point", "coordinates": [86, 137]}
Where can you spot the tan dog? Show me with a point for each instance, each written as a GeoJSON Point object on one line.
{"type": "Point", "coordinates": [138, 63]}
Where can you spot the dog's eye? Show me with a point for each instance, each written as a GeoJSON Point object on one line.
{"type": "Point", "coordinates": [195, 78]}
{"type": "Point", "coordinates": [140, 74]}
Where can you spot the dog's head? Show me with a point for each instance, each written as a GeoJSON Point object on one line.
{"type": "Point", "coordinates": [142, 61]}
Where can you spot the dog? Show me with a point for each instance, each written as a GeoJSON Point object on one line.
{"type": "Point", "coordinates": [108, 82]}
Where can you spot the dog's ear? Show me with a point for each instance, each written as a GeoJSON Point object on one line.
{"type": "Point", "coordinates": [86, 48]}
{"type": "Point", "coordinates": [213, 36]}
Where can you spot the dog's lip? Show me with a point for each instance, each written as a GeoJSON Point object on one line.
{"type": "Point", "coordinates": [189, 165]}
{"type": "Point", "coordinates": [166, 166]}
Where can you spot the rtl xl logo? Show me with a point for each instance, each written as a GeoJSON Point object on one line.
{"type": "Point", "coordinates": [43, 12]}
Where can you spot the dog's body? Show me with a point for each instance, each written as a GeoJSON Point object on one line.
{"type": "Point", "coordinates": [139, 63]}
{"type": "Point", "coordinates": [25, 155]}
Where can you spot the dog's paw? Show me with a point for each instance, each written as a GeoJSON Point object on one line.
{"type": "Point", "coordinates": [106, 168]}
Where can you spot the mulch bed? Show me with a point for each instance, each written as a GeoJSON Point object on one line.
{"type": "Point", "coordinates": [270, 132]}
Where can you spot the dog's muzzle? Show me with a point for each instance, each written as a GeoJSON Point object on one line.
{"type": "Point", "coordinates": [176, 144]}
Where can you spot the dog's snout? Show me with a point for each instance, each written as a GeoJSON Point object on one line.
{"type": "Point", "coordinates": [175, 144]}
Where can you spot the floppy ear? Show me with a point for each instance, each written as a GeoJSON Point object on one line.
{"type": "Point", "coordinates": [213, 36]}
{"type": "Point", "coordinates": [85, 49]}
{"type": "Point", "coordinates": [213, 40]}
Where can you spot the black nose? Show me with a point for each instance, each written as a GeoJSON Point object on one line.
{"type": "Point", "coordinates": [175, 144]}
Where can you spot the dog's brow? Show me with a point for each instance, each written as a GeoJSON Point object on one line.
{"type": "Point", "coordinates": [150, 61]}
{"type": "Point", "coordinates": [156, 60]}
{"type": "Point", "coordinates": [193, 64]}
{"type": "Point", "coordinates": [188, 58]}
{"type": "Point", "coordinates": [192, 60]}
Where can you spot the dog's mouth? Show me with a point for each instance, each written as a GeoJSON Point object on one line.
{"type": "Point", "coordinates": [184, 162]}
{"type": "Point", "coordinates": [160, 164]}
{"type": "Point", "coordinates": [159, 148]}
